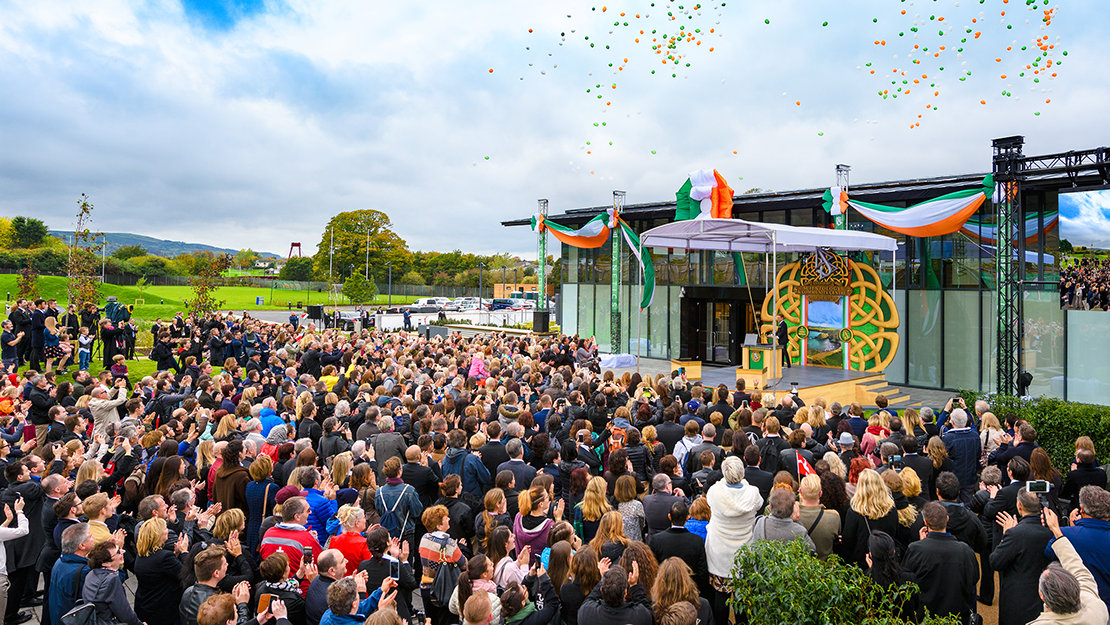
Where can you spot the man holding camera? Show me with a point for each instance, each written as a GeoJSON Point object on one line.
{"type": "Point", "coordinates": [1019, 559]}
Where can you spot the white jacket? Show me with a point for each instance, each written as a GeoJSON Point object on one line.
{"type": "Point", "coordinates": [730, 528]}
{"type": "Point", "coordinates": [11, 533]}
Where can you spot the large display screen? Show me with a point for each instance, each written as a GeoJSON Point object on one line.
{"type": "Point", "coordinates": [1085, 249]}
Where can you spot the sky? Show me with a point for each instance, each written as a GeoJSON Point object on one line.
{"type": "Point", "coordinates": [1085, 218]}
{"type": "Point", "coordinates": [249, 123]}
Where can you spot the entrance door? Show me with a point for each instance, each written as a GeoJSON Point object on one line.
{"type": "Point", "coordinates": [719, 345]}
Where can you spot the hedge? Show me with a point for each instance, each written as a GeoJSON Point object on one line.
{"type": "Point", "coordinates": [1058, 423]}
{"type": "Point", "coordinates": [780, 582]}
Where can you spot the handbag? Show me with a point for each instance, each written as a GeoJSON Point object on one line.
{"type": "Point", "coordinates": [446, 579]}
{"type": "Point", "coordinates": [84, 614]}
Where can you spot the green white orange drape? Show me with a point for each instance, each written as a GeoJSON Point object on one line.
{"type": "Point", "coordinates": [704, 194]}
{"type": "Point", "coordinates": [988, 233]}
{"type": "Point", "coordinates": [595, 233]}
{"type": "Point", "coordinates": [931, 218]}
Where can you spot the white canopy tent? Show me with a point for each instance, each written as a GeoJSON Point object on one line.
{"type": "Point", "coordinates": [737, 235]}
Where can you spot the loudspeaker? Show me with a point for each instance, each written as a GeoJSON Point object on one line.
{"type": "Point", "coordinates": [541, 320]}
{"type": "Point", "coordinates": [315, 312]}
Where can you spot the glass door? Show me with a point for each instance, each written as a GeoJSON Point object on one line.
{"type": "Point", "coordinates": [720, 332]}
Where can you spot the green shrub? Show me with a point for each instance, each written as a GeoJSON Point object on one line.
{"type": "Point", "coordinates": [780, 582]}
{"type": "Point", "coordinates": [1058, 423]}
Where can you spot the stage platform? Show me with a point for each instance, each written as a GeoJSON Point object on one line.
{"type": "Point", "coordinates": [833, 384]}
{"type": "Point", "coordinates": [836, 385]}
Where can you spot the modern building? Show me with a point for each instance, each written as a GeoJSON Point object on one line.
{"type": "Point", "coordinates": [946, 289]}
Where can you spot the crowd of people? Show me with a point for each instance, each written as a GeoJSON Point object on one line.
{"type": "Point", "coordinates": [1085, 284]}
{"type": "Point", "coordinates": [320, 477]}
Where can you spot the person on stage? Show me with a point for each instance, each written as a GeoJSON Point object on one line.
{"type": "Point", "coordinates": [781, 333]}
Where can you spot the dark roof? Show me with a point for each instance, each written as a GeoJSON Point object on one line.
{"type": "Point", "coordinates": [909, 191]}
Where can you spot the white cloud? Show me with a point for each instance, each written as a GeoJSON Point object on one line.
{"type": "Point", "coordinates": [256, 135]}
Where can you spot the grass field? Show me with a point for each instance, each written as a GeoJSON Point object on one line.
{"type": "Point", "coordinates": [165, 301]}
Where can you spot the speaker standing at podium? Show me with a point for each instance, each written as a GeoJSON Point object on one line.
{"type": "Point", "coordinates": [782, 334]}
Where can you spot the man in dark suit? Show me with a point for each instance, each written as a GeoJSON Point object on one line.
{"type": "Point", "coordinates": [966, 527]}
{"type": "Point", "coordinates": [21, 320]}
{"type": "Point", "coordinates": [1019, 559]}
{"type": "Point", "coordinates": [669, 432]}
{"type": "Point", "coordinates": [945, 568]}
{"type": "Point", "coordinates": [921, 465]}
{"type": "Point", "coordinates": [754, 475]}
{"type": "Point", "coordinates": [493, 452]}
{"type": "Point", "coordinates": [782, 334]}
{"type": "Point", "coordinates": [680, 542]}
{"type": "Point", "coordinates": [1005, 500]}
{"type": "Point", "coordinates": [23, 553]}
{"type": "Point", "coordinates": [423, 474]}
{"type": "Point", "coordinates": [586, 453]}
{"type": "Point", "coordinates": [1024, 442]}
{"type": "Point", "coordinates": [38, 324]}
{"type": "Point", "coordinates": [657, 505]}
{"type": "Point", "coordinates": [524, 472]}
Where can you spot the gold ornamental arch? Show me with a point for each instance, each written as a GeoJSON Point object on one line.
{"type": "Point", "coordinates": [872, 328]}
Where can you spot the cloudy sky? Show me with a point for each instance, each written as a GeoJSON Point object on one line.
{"type": "Point", "coordinates": [249, 123]}
{"type": "Point", "coordinates": [1085, 218]}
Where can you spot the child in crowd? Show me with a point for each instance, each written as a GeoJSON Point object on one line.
{"type": "Point", "coordinates": [119, 368]}
{"type": "Point", "coordinates": [84, 348]}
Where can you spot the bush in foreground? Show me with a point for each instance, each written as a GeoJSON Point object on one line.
{"type": "Point", "coordinates": [777, 582]}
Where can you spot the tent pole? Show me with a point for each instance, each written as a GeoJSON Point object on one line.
{"type": "Point", "coordinates": [639, 312]}
{"type": "Point", "coordinates": [775, 290]}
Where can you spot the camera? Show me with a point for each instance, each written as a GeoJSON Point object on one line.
{"type": "Point", "coordinates": [896, 461]}
{"type": "Point", "coordinates": [417, 617]}
{"type": "Point", "coordinates": [1039, 487]}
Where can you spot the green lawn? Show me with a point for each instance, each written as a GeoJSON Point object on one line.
{"type": "Point", "coordinates": [165, 301]}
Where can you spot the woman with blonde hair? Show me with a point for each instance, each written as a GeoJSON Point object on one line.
{"type": "Point", "coordinates": [674, 583]}
{"type": "Point", "coordinates": [341, 466]}
{"type": "Point", "coordinates": [649, 436]}
{"type": "Point", "coordinates": [911, 487]}
{"type": "Point", "coordinates": [610, 541]}
{"type": "Point", "coordinates": [990, 430]}
{"type": "Point", "coordinates": [351, 543]}
{"type": "Point", "coordinates": [158, 573]}
{"type": "Point", "coordinates": [871, 508]}
{"type": "Point", "coordinates": [907, 512]}
{"type": "Point", "coordinates": [90, 470]}
{"type": "Point", "coordinates": [226, 426]}
{"type": "Point", "coordinates": [588, 512]}
{"type": "Point", "coordinates": [836, 465]}
{"type": "Point", "coordinates": [914, 425]}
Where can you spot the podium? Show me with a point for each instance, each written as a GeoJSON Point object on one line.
{"type": "Point", "coordinates": [759, 364]}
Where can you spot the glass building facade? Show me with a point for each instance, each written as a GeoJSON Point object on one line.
{"type": "Point", "coordinates": [943, 289]}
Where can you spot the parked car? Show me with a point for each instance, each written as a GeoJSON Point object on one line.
{"type": "Point", "coordinates": [501, 303]}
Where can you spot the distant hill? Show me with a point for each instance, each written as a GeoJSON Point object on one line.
{"type": "Point", "coordinates": [158, 247]}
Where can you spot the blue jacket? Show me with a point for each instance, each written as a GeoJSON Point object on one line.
{"type": "Point", "coordinates": [320, 510]}
{"type": "Point", "coordinates": [1091, 539]}
{"type": "Point", "coordinates": [468, 467]}
{"type": "Point", "coordinates": [964, 449]}
{"type": "Point", "coordinates": [269, 419]}
{"type": "Point", "coordinates": [66, 579]}
{"type": "Point", "coordinates": [366, 607]}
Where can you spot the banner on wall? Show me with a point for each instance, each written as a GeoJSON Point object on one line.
{"type": "Point", "coordinates": [932, 218]}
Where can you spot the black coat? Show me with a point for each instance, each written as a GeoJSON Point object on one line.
{"type": "Point", "coordinates": [24, 552]}
{"type": "Point", "coordinates": [669, 433]}
{"type": "Point", "coordinates": [761, 479]}
{"type": "Point", "coordinates": [968, 529]}
{"type": "Point", "coordinates": [946, 571]}
{"type": "Point", "coordinates": [493, 454]}
{"type": "Point", "coordinates": [922, 465]}
{"type": "Point", "coordinates": [1019, 559]}
{"type": "Point", "coordinates": [634, 611]}
{"type": "Point", "coordinates": [159, 591]}
{"type": "Point", "coordinates": [857, 532]}
{"type": "Point", "coordinates": [1004, 501]}
{"type": "Point", "coordinates": [687, 546]}
{"type": "Point", "coordinates": [425, 479]}
{"type": "Point", "coordinates": [1083, 475]}
{"type": "Point", "coordinates": [377, 569]}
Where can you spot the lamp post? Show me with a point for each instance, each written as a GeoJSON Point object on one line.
{"type": "Point", "coordinates": [390, 302]}
{"type": "Point", "coordinates": [503, 268]}
{"type": "Point", "coordinates": [367, 276]}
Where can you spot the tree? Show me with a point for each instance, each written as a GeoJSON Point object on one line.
{"type": "Point", "coordinates": [6, 233]}
{"type": "Point", "coordinates": [27, 231]}
{"type": "Point", "coordinates": [204, 283]}
{"type": "Point", "coordinates": [297, 268]}
{"type": "Point", "coordinates": [358, 289]}
{"type": "Point", "coordinates": [1065, 245]}
{"type": "Point", "coordinates": [82, 267]}
{"type": "Point", "coordinates": [28, 283]}
{"type": "Point", "coordinates": [141, 285]}
{"type": "Point", "coordinates": [127, 252]}
{"type": "Point", "coordinates": [349, 229]}
{"type": "Point", "coordinates": [411, 277]}
{"type": "Point", "coordinates": [245, 258]}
